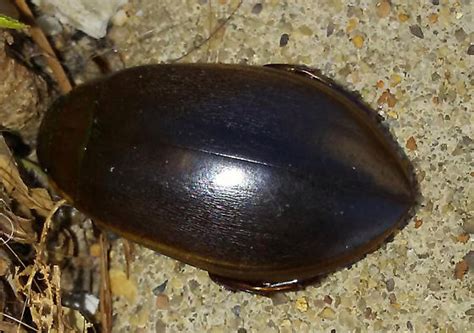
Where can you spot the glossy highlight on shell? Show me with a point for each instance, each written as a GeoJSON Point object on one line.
{"type": "Point", "coordinates": [266, 177]}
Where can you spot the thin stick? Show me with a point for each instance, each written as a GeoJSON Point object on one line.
{"type": "Point", "coordinates": [57, 290]}
{"type": "Point", "coordinates": [211, 35]}
{"type": "Point", "coordinates": [128, 251]}
{"type": "Point", "coordinates": [47, 223]}
{"type": "Point", "coordinates": [19, 322]}
{"type": "Point", "coordinates": [105, 290]}
{"type": "Point", "coordinates": [40, 39]}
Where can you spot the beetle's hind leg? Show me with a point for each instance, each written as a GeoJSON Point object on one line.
{"type": "Point", "coordinates": [311, 73]}
{"type": "Point", "coordinates": [263, 288]}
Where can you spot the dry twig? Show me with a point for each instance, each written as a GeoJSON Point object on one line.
{"type": "Point", "coordinates": [105, 289]}
{"type": "Point", "coordinates": [211, 35]}
{"type": "Point", "coordinates": [40, 38]}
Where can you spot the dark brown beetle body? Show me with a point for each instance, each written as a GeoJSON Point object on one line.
{"type": "Point", "coordinates": [263, 176]}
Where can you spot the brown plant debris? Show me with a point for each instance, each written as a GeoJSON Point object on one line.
{"type": "Point", "coordinates": [37, 199]}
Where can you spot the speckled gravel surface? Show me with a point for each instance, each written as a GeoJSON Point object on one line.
{"type": "Point", "coordinates": [413, 62]}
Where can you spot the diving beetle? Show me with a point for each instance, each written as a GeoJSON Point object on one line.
{"type": "Point", "coordinates": [266, 177]}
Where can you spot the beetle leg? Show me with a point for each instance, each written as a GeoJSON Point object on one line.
{"type": "Point", "coordinates": [314, 74]}
{"type": "Point", "coordinates": [311, 73]}
{"type": "Point", "coordinates": [262, 288]}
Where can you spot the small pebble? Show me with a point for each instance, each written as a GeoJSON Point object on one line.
{"type": "Point", "coordinates": [328, 299]}
{"type": "Point", "coordinates": [162, 302]}
{"type": "Point", "coordinates": [160, 289]}
{"type": "Point", "coordinates": [396, 305]}
{"type": "Point", "coordinates": [387, 98]}
{"type": "Point", "coordinates": [328, 313]}
{"type": "Point", "coordinates": [403, 17]}
{"type": "Point", "coordinates": [302, 304]}
{"type": "Point", "coordinates": [351, 25]}
{"type": "Point", "coordinates": [358, 41]}
{"type": "Point", "coordinates": [193, 285]}
{"type": "Point", "coordinates": [176, 283]}
{"type": "Point", "coordinates": [257, 8]}
{"type": "Point", "coordinates": [470, 49]}
{"type": "Point", "coordinates": [470, 312]}
{"type": "Point", "coordinates": [382, 8]}
{"type": "Point", "coordinates": [330, 29]}
{"type": "Point", "coordinates": [468, 225]}
{"type": "Point", "coordinates": [418, 222]}
{"type": "Point", "coordinates": [284, 40]}
{"type": "Point", "coordinates": [395, 79]}
{"type": "Point", "coordinates": [433, 18]}
{"type": "Point", "coordinates": [435, 2]}
{"type": "Point", "coordinates": [355, 11]}
{"type": "Point", "coordinates": [160, 326]}
{"type": "Point", "coordinates": [390, 284]}
{"type": "Point", "coordinates": [392, 298]}
{"type": "Point", "coordinates": [460, 35]}
{"type": "Point", "coordinates": [462, 238]}
{"type": "Point", "coordinates": [369, 314]}
{"type": "Point", "coordinates": [434, 284]}
{"type": "Point", "coordinates": [392, 114]}
{"type": "Point", "coordinates": [416, 30]}
{"type": "Point", "coordinates": [469, 258]}
{"type": "Point", "coordinates": [236, 310]}
{"type": "Point", "coordinates": [460, 269]}
{"type": "Point", "coordinates": [411, 144]}
{"type": "Point", "coordinates": [176, 301]}
{"type": "Point", "coordinates": [305, 30]}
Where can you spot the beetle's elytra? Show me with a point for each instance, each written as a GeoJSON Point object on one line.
{"type": "Point", "coordinates": [263, 176]}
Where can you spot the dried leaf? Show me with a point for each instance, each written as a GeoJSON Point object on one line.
{"type": "Point", "coordinates": [44, 301]}
{"type": "Point", "coordinates": [56, 283]}
{"type": "Point", "coordinates": [16, 228]}
{"type": "Point", "coordinates": [76, 322]}
{"type": "Point", "coordinates": [35, 199]}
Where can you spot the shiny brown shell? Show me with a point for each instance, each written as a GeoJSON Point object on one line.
{"type": "Point", "coordinates": [264, 176]}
